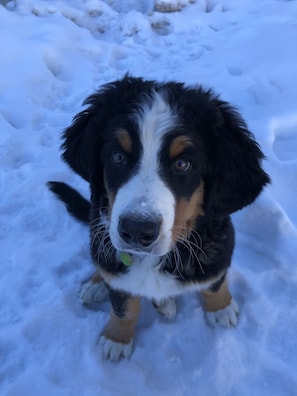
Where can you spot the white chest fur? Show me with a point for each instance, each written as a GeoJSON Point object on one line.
{"type": "Point", "coordinates": [145, 279]}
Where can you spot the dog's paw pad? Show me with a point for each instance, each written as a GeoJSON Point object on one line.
{"type": "Point", "coordinates": [115, 351]}
{"type": "Point", "coordinates": [166, 307]}
{"type": "Point", "coordinates": [91, 292]}
{"type": "Point", "coordinates": [227, 317]}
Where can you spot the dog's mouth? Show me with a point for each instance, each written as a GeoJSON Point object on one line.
{"type": "Point", "coordinates": [155, 249]}
{"type": "Point", "coordinates": [130, 257]}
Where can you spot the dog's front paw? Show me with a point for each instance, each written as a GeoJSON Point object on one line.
{"type": "Point", "coordinates": [93, 292]}
{"type": "Point", "coordinates": [225, 317]}
{"type": "Point", "coordinates": [115, 351]}
{"type": "Point", "coordinates": [166, 307]}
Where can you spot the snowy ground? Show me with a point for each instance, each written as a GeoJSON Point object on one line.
{"type": "Point", "coordinates": [53, 54]}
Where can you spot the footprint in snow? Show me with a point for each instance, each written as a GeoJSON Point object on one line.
{"type": "Point", "coordinates": [285, 139]}
{"type": "Point", "coordinates": [52, 62]}
{"type": "Point", "coordinates": [234, 71]}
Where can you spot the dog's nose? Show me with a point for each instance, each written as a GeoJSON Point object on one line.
{"type": "Point", "coordinates": [139, 232]}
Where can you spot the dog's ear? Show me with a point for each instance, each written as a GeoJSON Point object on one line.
{"type": "Point", "coordinates": [83, 139]}
{"type": "Point", "coordinates": [79, 145]}
{"type": "Point", "coordinates": [235, 175]}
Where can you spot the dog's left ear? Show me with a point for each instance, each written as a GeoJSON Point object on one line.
{"type": "Point", "coordinates": [235, 177]}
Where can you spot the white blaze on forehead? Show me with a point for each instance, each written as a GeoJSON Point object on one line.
{"type": "Point", "coordinates": [156, 118]}
{"type": "Point", "coordinates": [146, 193]}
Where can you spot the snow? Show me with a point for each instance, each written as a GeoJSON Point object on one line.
{"type": "Point", "coordinates": [55, 53]}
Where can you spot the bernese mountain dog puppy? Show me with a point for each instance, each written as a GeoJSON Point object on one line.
{"type": "Point", "coordinates": [167, 164]}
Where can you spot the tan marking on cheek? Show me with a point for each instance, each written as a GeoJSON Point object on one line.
{"type": "Point", "coordinates": [111, 199]}
{"type": "Point", "coordinates": [122, 329]}
{"type": "Point", "coordinates": [124, 139]}
{"type": "Point", "coordinates": [110, 195]}
{"type": "Point", "coordinates": [214, 301]}
{"type": "Point", "coordinates": [186, 213]}
{"type": "Point", "coordinates": [178, 145]}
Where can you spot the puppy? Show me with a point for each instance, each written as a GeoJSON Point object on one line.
{"type": "Point", "coordinates": [167, 164]}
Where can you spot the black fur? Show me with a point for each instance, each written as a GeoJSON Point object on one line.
{"type": "Point", "coordinates": [76, 204]}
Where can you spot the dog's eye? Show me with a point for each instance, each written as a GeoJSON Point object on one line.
{"type": "Point", "coordinates": [118, 158]}
{"type": "Point", "coordinates": [182, 165]}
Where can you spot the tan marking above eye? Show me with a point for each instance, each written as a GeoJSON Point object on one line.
{"type": "Point", "coordinates": [178, 145]}
{"type": "Point", "coordinates": [124, 139]}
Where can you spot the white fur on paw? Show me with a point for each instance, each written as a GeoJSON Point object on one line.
{"type": "Point", "coordinates": [114, 351]}
{"type": "Point", "coordinates": [226, 317]}
{"type": "Point", "coordinates": [166, 307]}
{"type": "Point", "coordinates": [91, 292]}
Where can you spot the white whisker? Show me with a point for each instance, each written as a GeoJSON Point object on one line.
{"type": "Point", "coordinates": [193, 246]}
{"type": "Point", "coordinates": [100, 237]}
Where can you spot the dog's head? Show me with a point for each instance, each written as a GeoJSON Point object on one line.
{"type": "Point", "coordinates": [165, 155]}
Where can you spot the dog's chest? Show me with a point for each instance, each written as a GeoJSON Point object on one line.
{"type": "Point", "coordinates": [144, 278]}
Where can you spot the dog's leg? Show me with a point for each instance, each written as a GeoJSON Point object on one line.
{"type": "Point", "coordinates": [117, 337]}
{"type": "Point", "coordinates": [93, 290]}
{"type": "Point", "coordinates": [220, 308]}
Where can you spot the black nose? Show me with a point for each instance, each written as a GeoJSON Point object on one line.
{"type": "Point", "coordinates": [139, 232]}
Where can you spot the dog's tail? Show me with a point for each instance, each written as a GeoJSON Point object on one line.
{"type": "Point", "coordinates": [75, 203]}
